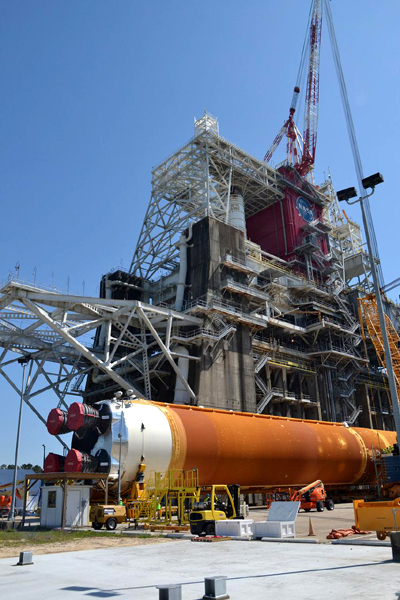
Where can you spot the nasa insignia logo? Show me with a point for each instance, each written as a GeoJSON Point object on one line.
{"type": "Point", "coordinates": [305, 209]}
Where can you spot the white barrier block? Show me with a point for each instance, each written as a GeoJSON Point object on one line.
{"type": "Point", "coordinates": [274, 529]}
{"type": "Point", "coordinates": [234, 527]}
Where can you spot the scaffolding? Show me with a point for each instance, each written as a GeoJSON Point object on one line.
{"type": "Point", "coordinates": [193, 183]}
{"type": "Point", "coordinates": [168, 498]}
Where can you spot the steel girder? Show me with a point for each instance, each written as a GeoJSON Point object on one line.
{"type": "Point", "coordinates": [60, 333]}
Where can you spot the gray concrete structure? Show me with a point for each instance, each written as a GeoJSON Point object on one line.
{"type": "Point", "coordinates": [224, 378]}
{"type": "Point", "coordinates": [254, 570]}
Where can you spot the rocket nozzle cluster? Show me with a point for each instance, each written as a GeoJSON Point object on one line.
{"type": "Point", "coordinates": [77, 462]}
{"type": "Point", "coordinates": [79, 418]}
{"type": "Point", "coordinates": [87, 423]}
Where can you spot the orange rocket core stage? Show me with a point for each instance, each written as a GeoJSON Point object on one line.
{"type": "Point", "coordinates": [267, 451]}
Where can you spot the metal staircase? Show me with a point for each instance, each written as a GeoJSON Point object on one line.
{"type": "Point", "coordinates": [351, 419]}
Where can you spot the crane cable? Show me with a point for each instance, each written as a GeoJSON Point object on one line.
{"type": "Point", "coordinates": [352, 135]}
{"type": "Point", "coordinates": [305, 50]}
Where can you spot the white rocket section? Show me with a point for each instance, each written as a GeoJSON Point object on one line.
{"type": "Point", "coordinates": [145, 431]}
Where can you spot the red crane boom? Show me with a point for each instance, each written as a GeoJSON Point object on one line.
{"type": "Point", "coordinates": [300, 149]}
{"type": "Point", "coordinates": [312, 91]}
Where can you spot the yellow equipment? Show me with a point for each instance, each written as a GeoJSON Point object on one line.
{"type": "Point", "coordinates": [166, 497]}
{"type": "Point", "coordinates": [369, 309]}
{"type": "Point", "coordinates": [108, 514]}
{"type": "Point", "coordinates": [163, 498]}
{"type": "Point", "coordinates": [212, 509]}
{"type": "Point", "coordinates": [382, 517]}
{"type": "Point", "coordinates": [111, 514]}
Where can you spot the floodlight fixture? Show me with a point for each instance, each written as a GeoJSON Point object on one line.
{"type": "Point", "coordinates": [372, 181]}
{"type": "Point", "coordinates": [23, 360]}
{"type": "Point", "coordinates": [346, 194]}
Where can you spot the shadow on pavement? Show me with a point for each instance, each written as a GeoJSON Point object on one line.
{"type": "Point", "coordinates": [116, 592]}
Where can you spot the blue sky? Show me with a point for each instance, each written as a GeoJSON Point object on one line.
{"type": "Point", "coordinates": [95, 93]}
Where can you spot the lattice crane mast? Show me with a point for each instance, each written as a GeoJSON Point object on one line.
{"type": "Point", "coordinates": [300, 150]}
{"type": "Point", "coordinates": [312, 91]}
{"type": "Point", "coordinates": [292, 133]}
{"type": "Point", "coordinates": [368, 308]}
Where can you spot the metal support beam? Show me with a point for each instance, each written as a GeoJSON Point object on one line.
{"type": "Point", "coordinates": [167, 354]}
{"type": "Point", "coordinates": [44, 316]}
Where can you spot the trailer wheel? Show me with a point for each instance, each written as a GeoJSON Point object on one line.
{"type": "Point", "coordinates": [210, 529]}
{"type": "Point", "coordinates": [307, 510]}
{"type": "Point", "coordinates": [381, 535]}
{"type": "Point", "coordinates": [111, 524]}
{"type": "Point", "coordinates": [97, 526]}
{"type": "Point", "coordinates": [330, 505]}
{"type": "Point", "coordinates": [320, 506]}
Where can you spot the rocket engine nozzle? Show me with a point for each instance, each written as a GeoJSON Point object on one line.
{"type": "Point", "coordinates": [57, 422]}
{"type": "Point", "coordinates": [81, 462]}
{"type": "Point", "coordinates": [54, 463]}
{"type": "Point", "coordinates": [84, 416]}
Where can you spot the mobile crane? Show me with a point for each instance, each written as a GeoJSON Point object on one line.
{"type": "Point", "coordinates": [312, 496]}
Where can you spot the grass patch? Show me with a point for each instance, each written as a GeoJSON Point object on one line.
{"type": "Point", "coordinates": [11, 538]}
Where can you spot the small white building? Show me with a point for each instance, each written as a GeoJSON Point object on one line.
{"type": "Point", "coordinates": [77, 508]}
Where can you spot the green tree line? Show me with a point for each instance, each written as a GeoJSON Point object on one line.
{"type": "Point", "coordinates": [27, 466]}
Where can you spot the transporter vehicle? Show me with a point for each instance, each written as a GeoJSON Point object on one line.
{"type": "Point", "coordinates": [205, 513]}
{"type": "Point", "coordinates": [313, 496]}
{"type": "Point", "coordinates": [107, 514]}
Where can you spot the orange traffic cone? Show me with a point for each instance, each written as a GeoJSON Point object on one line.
{"type": "Point", "coordinates": [310, 528]}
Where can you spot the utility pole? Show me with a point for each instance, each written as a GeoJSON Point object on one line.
{"type": "Point", "coordinates": [24, 360]}
{"type": "Point", "coordinates": [371, 182]}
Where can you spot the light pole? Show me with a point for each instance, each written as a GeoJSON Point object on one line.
{"type": "Point", "coordinates": [44, 460]}
{"type": "Point", "coordinates": [22, 361]}
{"type": "Point", "coordinates": [371, 182]}
{"type": "Point", "coordinates": [118, 396]}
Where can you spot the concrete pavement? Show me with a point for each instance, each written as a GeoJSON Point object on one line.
{"type": "Point", "coordinates": [255, 570]}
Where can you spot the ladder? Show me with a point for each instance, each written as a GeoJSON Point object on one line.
{"type": "Point", "coordinates": [368, 308]}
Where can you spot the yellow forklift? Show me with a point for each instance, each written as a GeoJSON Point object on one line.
{"type": "Point", "coordinates": [221, 502]}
